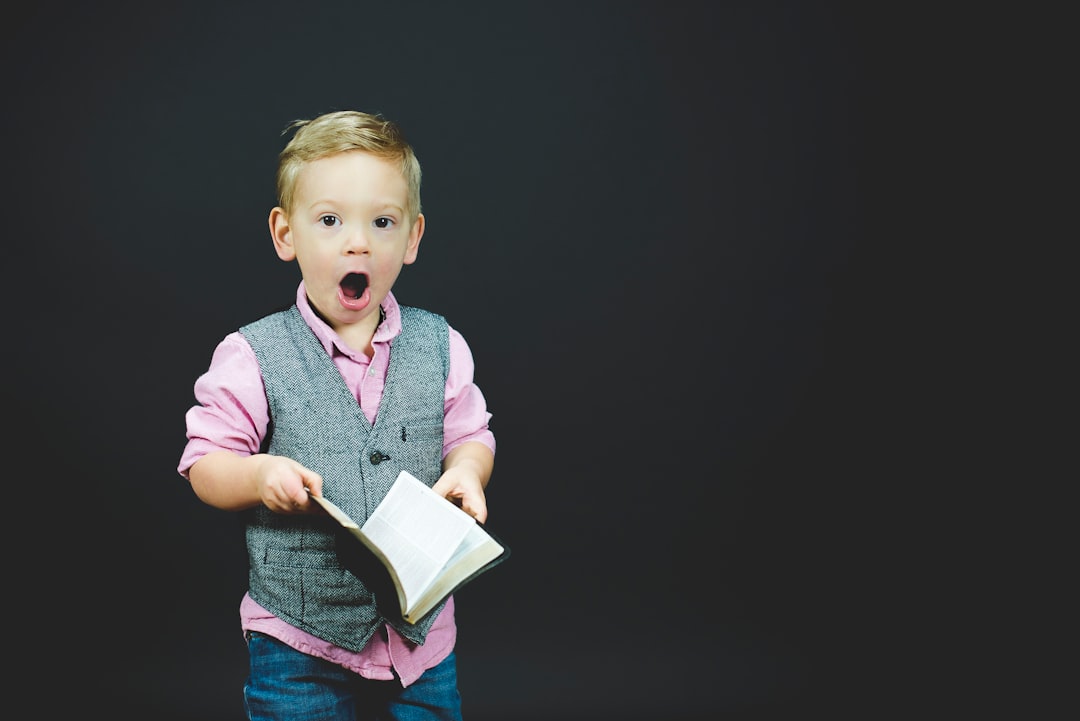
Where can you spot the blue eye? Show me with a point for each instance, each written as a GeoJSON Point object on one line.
{"type": "Point", "coordinates": [328, 220]}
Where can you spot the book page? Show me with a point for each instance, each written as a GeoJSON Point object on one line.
{"type": "Point", "coordinates": [417, 531]}
{"type": "Point", "coordinates": [476, 550]}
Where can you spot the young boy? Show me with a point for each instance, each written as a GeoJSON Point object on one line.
{"type": "Point", "coordinates": [335, 395]}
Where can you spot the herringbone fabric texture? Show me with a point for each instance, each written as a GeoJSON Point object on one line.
{"type": "Point", "coordinates": [299, 567]}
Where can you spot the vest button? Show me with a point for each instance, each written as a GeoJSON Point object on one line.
{"type": "Point", "coordinates": [378, 457]}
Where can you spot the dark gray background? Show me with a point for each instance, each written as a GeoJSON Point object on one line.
{"type": "Point", "coordinates": [647, 218]}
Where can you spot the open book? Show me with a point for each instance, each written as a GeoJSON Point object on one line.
{"type": "Point", "coordinates": [430, 546]}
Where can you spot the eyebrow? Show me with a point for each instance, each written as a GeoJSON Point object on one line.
{"type": "Point", "coordinates": [376, 205]}
{"type": "Point", "coordinates": [390, 205]}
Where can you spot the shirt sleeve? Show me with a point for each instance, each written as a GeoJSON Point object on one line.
{"type": "Point", "coordinates": [465, 413]}
{"type": "Point", "coordinates": [231, 412]}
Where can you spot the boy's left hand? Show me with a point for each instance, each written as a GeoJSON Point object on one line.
{"type": "Point", "coordinates": [461, 486]}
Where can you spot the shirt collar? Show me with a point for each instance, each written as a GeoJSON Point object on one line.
{"type": "Point", "coordinates": [387, 330]}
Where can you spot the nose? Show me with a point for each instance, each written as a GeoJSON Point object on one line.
{"type": "Point", "coordinates": [356, 243]}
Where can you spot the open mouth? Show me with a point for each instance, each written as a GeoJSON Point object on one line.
{"type": "Point", "coordinates": [353, 285]}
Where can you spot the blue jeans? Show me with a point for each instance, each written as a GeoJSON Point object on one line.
{"type": "Point", "coordinates": [284, 683]}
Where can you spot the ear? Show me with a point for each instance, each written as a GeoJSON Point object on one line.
{"type": "Point", "coordinates": [415, 234]}
{"type": "Point", "coordinates": [279, 231]}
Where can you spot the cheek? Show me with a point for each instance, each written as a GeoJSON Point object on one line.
{"type": "Point", "coordinates": [387, 267]}
{"type": "Point", "coordinates": [312, 261]}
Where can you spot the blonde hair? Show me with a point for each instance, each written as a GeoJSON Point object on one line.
{"type": "Point", "coordinates": [341, 132]}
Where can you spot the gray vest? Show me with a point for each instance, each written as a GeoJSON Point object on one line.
{"type": "Point", "coordinates": [303, 568]}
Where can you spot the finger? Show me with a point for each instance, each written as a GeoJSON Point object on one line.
{"type": "Point", "coordinates": [312, 483]}
{"type": "Point", "coordinates": [475, 507]}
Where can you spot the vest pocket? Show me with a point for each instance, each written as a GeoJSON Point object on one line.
{"type": "Point", "coordinates": [309, 585]}
{"type": "Point", "coordinates": [420, 450]}
{"type": "Point", "coordinates": [422, 432]}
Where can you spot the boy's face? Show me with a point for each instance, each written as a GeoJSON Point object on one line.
{"type": "Point", "coordinates": [350, 234]}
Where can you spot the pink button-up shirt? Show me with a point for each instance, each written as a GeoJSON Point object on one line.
{"type": "Point", "coordinates": [232, 414]}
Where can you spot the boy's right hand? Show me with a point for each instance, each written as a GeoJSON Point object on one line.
{"type": "Point", "coordinates": [283, 485]}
